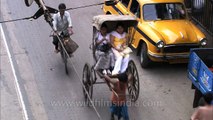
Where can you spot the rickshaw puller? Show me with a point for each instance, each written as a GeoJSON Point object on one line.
{"type": "Point", "coordinates": [119, 107]}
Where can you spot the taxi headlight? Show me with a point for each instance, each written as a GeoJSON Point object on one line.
{"type": "Point", "coordinates": [160, 44]}
{"type": "Point", "coordinates": [203, 42]}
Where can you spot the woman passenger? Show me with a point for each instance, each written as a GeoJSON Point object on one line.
{"type": "Point", "coordinates": [119, 43]}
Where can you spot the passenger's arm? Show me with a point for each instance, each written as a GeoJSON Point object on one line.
{"type": "Point", "coordinates": [99, 42]}
{"type": "Point", "coordinates": [112, 43]}
{"type": "Point", "coordinates": [125, 44]}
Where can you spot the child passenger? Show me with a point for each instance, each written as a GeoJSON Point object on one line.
{"type": "Point", "coordinates": [103, 53]}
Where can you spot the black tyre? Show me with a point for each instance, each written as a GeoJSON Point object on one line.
{"type": "Point", "coordinates": [144, 58]}
{"type": "Point", "coordinates": [134, 84]}
{"type": "Point", "coordinates": [87, 82]}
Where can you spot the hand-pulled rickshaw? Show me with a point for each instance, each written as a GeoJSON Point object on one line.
{"type": "Point", "coordinates": [200, 72]}
{"type": "Point", "coordinates": [90, 75]}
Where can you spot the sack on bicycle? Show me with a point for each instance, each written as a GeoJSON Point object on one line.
{"type": "Point", "coordinates": [70, 45]}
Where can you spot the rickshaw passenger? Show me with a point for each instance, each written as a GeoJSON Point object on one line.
{"type": "Point", "coordinates": [119, 43]}
{"type": "Point", "coordinates": [61, 22]}
{"type": "Point", "coordinates": [103, 53]}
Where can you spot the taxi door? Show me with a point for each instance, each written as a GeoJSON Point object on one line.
{"type": "Point", "coordinates": [123, 7]}
{"type": "Point", "coordinates": [134, 10]}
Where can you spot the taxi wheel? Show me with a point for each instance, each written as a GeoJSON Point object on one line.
{"type": "Point", "coordinates": [144, 58]}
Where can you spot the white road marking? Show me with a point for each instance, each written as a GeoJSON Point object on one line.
{"type": "Point", "coordinates": [20, 96]}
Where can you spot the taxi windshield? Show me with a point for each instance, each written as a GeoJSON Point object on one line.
{"type": "Point", "coordinates": [163, 11]}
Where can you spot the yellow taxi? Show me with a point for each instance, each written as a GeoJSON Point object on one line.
{"type": "Point", "coordinates": [164, 32]}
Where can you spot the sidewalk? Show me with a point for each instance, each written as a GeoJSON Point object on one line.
{"type": "Point", "coordinates": [10, 108]}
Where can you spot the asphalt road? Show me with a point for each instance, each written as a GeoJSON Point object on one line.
{"type": "Point", "coordinates": [48, 93]}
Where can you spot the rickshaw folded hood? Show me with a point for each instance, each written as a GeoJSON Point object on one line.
{"type": "Point", "coordinates": [127, 20]}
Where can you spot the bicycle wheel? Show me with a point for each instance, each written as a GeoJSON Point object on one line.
{"type": "Point", "coordinates": [64, 58]}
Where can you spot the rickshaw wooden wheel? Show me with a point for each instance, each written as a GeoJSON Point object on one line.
{"type": "Point", "coordinates": [87, 82]}
{"type": "Point", "coordinates": [134, 84]}
{"type": "Point", "coordinates": [93, 77]}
